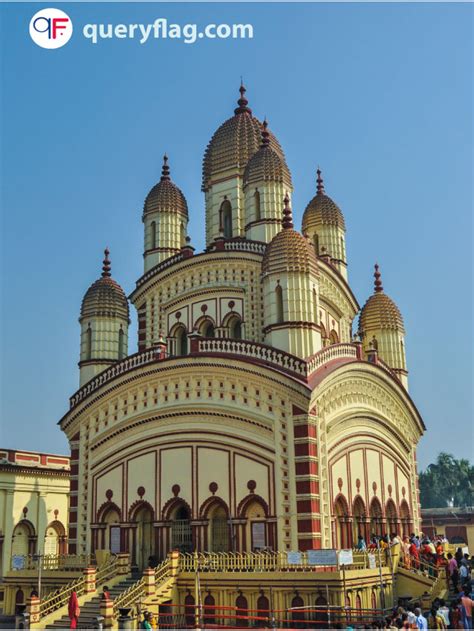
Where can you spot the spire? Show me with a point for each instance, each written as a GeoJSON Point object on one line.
{"type": "Point", "coordinates": [378, 283]}
{"type": "Point", "coordinates": [265, 134]}
{"type": "Point", "coordinates": [320, 183]}
{"type": "Point", "coordinates": [165, 171]}
{"type": "Point", "coordinates": [287, 216]}
{"type": "Point", "coordinates": [242, 102]}
{"type": "Point", "coordinates": [106, 266]}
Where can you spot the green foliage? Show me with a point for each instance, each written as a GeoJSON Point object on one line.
{"type": "Point", "coordinates": [447, 482]}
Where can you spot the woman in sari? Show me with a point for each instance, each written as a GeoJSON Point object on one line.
{"type": "Point", "coordinates": [73, 610]}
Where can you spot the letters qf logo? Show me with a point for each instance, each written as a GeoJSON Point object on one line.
{"type": "Point", "coordinates": [50, 28]}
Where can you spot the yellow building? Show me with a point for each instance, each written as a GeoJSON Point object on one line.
{"type": "Point", "coordinates": [34, 490]}
{"type": "Point", "coordinates": [453, 523]}
{"type": "Point", "coordinates": [258, 413]}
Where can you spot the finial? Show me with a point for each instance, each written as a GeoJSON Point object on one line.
{"type": "Point", "coordinates": [242, 102]}
{"type": "Point", "coordinates": [378, 283]}
{"type": "Point", "coordinates": [265, 134]}
{"type": "Point", "coordinates": [320, 183]}
{"type": "Point", "coordinates": [106, 266]}
{"type": "Point", "coordinates": [165, 171]}
{"type": "Point", "coordinates": [287, 216]}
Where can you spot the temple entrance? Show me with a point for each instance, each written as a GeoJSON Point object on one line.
{"type": "Point", "coordinates": [343, 533]}
{"type": "Point", "coordinates": [144, 541]}
{"type": "Point", "coordinates": [376, 518]}
{"type": "Point", "coordinates": [181, 533]}
{"type": "Point", "coordinates": [359, 520]}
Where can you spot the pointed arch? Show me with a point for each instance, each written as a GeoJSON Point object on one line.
{"type": "Point", "coordinates": [209, 611]}
{"type": "Point", "coordinates": [341, 521]}
{"type": "Point", "coordinates": [250, 499]}
{"type": "Point", "coordinates": [376, 517]}
{"type": "Point", "coordinates": [405, 518]}
{"type": "Point", "coordinates": [137, 507]}
{"type": "Point", "coordinates": [108, 507]}
{"type": "Point", "coordinates": [242, 610]}
{"type": "Point", "coordinates": [359, 519]}
{"type": "Point", "coordinates": [172, 506]}
{"type": "Point", "coordinates": [208, 505]}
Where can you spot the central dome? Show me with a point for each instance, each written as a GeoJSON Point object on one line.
{"type": "Point", "coordinates": [235, 142]}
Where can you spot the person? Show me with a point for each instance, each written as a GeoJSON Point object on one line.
{"type": "Point", "coordinates": [415, 555]}
{"type": "Point", "coordinates": [453, 571]}
{"type": "Point", "coordinates": [361, 545]}
{"type": "Point", "coordinates": [467, 603]}
{"type": "Point", "coordinates": [464, 575]}
{"type": "Point", "coordinates": [444, 611]}
{"type": "Point", "coordinates": [421, 621]}
{"type": "Point", "coordinates": [411, 617]}
{"type": "Point", "coordinates": [394, 539]}
{"type": "Point", "coordinates": [406, 552]}
{"type": "Point", "coordinates": [73, 610]}
{"type": "Point", "coordinates": [105, 593]}
{"type": "Point", "coordinates": [146, 621]}
{"type": "Point", "coordinates": [455, 618]}
{"type": "Point", "coordinates": [435, 621]}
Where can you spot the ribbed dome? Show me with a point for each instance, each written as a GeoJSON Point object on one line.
{"type": "Point", "coordinates": [235, 142]}
{"type": "Point", "coordinates": [165, 196]}
{"type": "Point", "coordinates": [322, 210]}
{"type": "Point", "coordinates": [105, 297]}
{"type": "Point", "coordinates": [380, 312]}
{"type": "Point", "coordinates": [267, 164]}
{"type": "Point", "coordinates": [289, 251]}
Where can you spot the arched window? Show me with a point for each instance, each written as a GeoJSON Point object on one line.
{"type": "Point", "coordinates": [181, 533]}
{"type": "Point", "coordinates": [181, 340]}
{"type": "Point", "coordinates": [112, 531]}
{"type": "Point", "coordinates": [54, 539]}
{"type": "Point", "coordinates": [153, 234]}
{"type": "Point", "coordinates": [333, 337]}
{"type": "Point", "coordinates": [226, 219]}
{"type": "Point", "coordinates": [405, 518]}
{"type": "Point", "coordinates": [341, 511]}
{"type": "Point", "coordinates": [235, 328]}
{"type": "Point", "coordinates": [258, 211]}
{"type": "Point", "coordinates": [22, 539]}
{"type": "Point", "coordinates": [324, 335]}
{"type": "Point", "coordinates": [359, 519]}
{"type": "Point", "coordinates": [89, 342]}
{"type": "Point", "coordinates": [316, 243]}
{"type": "Point", "coordinates": [279, 303]}
{"type": "Point", "coordinates": [207, 329]}
{"type": "Point", "coordinates": [121, 344]}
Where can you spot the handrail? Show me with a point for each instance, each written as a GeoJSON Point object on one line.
{"type": "Point", "coordinates": [63, 562]}
{"type": "Point", "coordinates": [129, 596]}
{"type": "Point", "coordinates": [334, 351]}
{"type": "Point", "coordinates": [60, 597]}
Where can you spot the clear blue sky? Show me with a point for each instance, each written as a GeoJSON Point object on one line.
{"type": "Point", "coordinates": [380, 95]}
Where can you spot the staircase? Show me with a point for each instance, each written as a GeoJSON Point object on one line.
{"type": "Point", "coordinates": [91, 609]}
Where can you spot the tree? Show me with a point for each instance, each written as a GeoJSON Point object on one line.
{"type": "Point", "coordinates": [447, 482]}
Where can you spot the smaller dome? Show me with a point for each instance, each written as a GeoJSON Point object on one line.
{"type": "Point", "coordinates": [380, 312]}
{"type": "Point", "coordinates": [165, 196]}
{"type": "Point", "coordinates": [289, 251]}
{"type": "Point", "coordinates": [322, 210]}
{"type": "Point", "coordinates": [105, 297]}
{"type": "Point", "coordinates": [267, 164]}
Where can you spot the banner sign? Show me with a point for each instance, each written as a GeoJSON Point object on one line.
{"type": "Point", "coordinates": [322, 557]}
{"type": "Point", "coordinates": [345, 557]}
{"type": "Point", "coordinates": [18, 562]}
{"type": "Point", "coordinates": [294, 558]}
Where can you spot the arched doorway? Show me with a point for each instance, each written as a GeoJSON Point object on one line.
{"type": "Point", "coordinates": [219, 540]}
{"type": "Point", "coordinates": [376, 517]}
{"type": "Point", "coordinates": [341, 516]}
{"type": "Point", "coordinates": [391, 517]}
{"type": "Point", "coordinates": [297, 614]}
{"type": "Point", "coordinates": [179, 338]}
{"type": "Point", "coordinates": [111, 519]}
{"type": "Point", "coordinates": [234, 327]}
{"type": "Point", "coordinates": [54, 539]}
{"type": "Point", "coordinates": [189, 610]}
{"type": "Point", "coordinates": [263, 606]}
{"type": "Point", "coordinates": [242, 610]}
{"type": "Point", "coordinates": [207, 328]}
{"type": "Point", "coordinates": [209, 611]}
{"type": "Point", "coordinates": [181, 532]}
{"type": "Point", "coordinates": [359, 520]}
{"type": "Point", "coordinates": [405, 518]}
{"type": "Point", "coordinates": [256, 528]}
{"type": "Point", "coordinates": [321, 617]}
{"type": "Point", "coordinates": [144, 547]}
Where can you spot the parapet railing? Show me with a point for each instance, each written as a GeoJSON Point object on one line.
{"type": "Point", "coordinates": [254, 351]}
{"type": "Point", "coordinates": [61, 562]}
{"type": "Point", "coordinates": [246, 246]}
{"type": "Point", "coordinates": [268, 562]}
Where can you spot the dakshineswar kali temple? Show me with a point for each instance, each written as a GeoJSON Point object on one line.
{"type": "Point", "coordinates": [259, 412]}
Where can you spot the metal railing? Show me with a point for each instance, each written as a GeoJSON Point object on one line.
{"type": "Point", "coordinates": [62, 562]}
{"type": "Point", "coordinates": [265, 562]}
